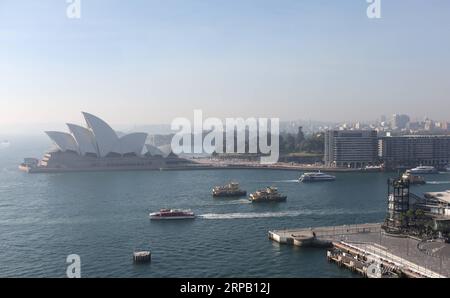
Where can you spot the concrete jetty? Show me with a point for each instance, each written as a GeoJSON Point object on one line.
{"type": "Point", "coordinates": [359, 247]}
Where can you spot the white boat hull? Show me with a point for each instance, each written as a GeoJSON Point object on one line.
{"type": "Point", "coordinates": [317, 180]}
{"type": "Point", "coordinates": [171, 217]}
{"type": "Point", "coordinates": [316, 177]}
{"type": "Point", "coordinates": [424, 172]}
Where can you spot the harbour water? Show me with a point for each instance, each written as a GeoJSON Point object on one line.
{"type": "Point", "coordinates": [103, 217]}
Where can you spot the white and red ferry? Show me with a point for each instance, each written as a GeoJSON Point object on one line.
{"type": "Point", "coordinates": [172, 214]}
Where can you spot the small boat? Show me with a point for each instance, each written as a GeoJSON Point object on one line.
{"type": "Point", "coordinates": [373, 168]}
{"type": "Point", "coordinates": [172, 214]}
{"type": "Point", "coordinates": [143, 256]}
{"type": "Point", "coordinates": [424, 170]}
{"type": "Point", "coordinates": [316, 177]}
{"type": "Point", "coordinates": [413, 179]}
{"type": "Point", "coordinates": [270, 194]}
{"type": "Point", "coordinates": [232, 189]}
{"type": "Point", "coordinates": [29, 163]}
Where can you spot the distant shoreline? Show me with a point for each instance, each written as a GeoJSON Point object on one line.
{"type": "Point", "coordinates": [274, 168]}
{"type": "Point", "coordinates": [204, 166]}
{"type": "Point", "coordinates": [239, 165]}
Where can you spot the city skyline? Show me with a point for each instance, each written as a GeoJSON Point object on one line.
{"type": "Point", "coordinates": [313, 125]}
{"type": "Point", "coordinates": [153, 62]}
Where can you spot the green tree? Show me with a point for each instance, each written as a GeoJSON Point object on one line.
{"type": "Point", "coordinates": [410, 216]}
{"type": "Point", "coordinates": [290, 143]}
{"type": "Point", "coordinates": [314, 143]}
{"type": "Point", "coordinates": [299, 139]}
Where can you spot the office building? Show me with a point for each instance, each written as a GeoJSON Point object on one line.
{"type": "Point", "coordinates": [351, 148]}
{"type": "Point", "coordinates": [412, 151]}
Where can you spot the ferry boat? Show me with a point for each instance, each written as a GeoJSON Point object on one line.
{"type": "Point", "coordinates": [316, 177]}
{"type": "Point", "coordinates": [413, 179]}
{"type": "Point", "coordinates": [28, 164]}
{"type": "Point", "coordinates": [232, 189]}
{"type": "Point", "coordinates": [424, 170]}
{"type": "Point", "coordinates": [172, 214]}
{"type": "Point", "coordinates": [270, 194]}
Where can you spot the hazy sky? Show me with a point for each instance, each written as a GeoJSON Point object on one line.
{"type": "Point", "coordinates": [150, 61]}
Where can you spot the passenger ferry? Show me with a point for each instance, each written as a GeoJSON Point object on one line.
{"type": "Point", "coordinates": [316, 177]}
{"type": "Point", "coordinates": [29, 163]}
{"type": "Point", "coordinates": [424, 170]}
{"type": "Point", "coordinates": [413, 179]}
{"type": "Point", "coordinates": [172, 214]}
{"type": "Point", "coordinates": [232, 189]}
{"type": "Point", "coordinates": [270, 194]}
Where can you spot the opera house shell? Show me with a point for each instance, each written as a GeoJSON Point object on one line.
{"type": "Point", "coordinates": [98, 147]}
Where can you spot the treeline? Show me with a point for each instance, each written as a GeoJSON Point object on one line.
{"type": "Point", "coordinates": [289, 142]}
{"type": "Point", "coordinates": [295, 143]}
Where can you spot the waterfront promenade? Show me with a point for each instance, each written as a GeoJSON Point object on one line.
{"type": "Point", "coordinates": [209, 163]}
{"type": "Point", "coordinates": [427, 259]}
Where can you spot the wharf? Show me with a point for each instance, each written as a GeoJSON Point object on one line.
{"type": "Point", "coordinates": [367, 244]}
{"type": "Point", "coordinates": [209, 164]}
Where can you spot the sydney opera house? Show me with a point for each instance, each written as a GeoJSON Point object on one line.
{"type": "Point", "coordinates": [99, 147]}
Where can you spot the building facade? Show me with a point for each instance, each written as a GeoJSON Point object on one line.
{"type": "Point", "coordinates": [351, 148]}
{"type": "Point", "coordinates": [438, 203]}
{"type": "Point", "coordinates": [412, 151]}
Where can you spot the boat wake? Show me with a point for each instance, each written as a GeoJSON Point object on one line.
{"type": "Point", "coordinates": [250, 215]}
{"type": "Point", "coordinates": [292, 213]}
{"type": "Point", "coordinates": [438, 182]}
{"type": "Point", "coordinates": [287, 181]}
{"type": "Point", "coordinates": [279, 181]}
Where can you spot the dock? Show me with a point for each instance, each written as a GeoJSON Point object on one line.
{"type": "Point", "coordinates": [368, 250]}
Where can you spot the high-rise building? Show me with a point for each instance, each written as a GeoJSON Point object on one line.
{"type": "Point", "coordinates": [414, 126]}
{"type": "Point", "coordinates": [429, 124]}
{"type": "Point", "coordinates": [351, 148]}
{"type": "Point", "coordinates": [411, 151]}
{"type": "Point", "coordinates": [399, 121]}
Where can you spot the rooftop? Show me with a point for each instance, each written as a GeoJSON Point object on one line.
{"type": "Point", "coordinates": [419, 136]}
{"type": "Point", "coordinates": [441, 196]}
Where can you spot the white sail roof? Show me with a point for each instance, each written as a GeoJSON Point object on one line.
{"type": "Point", "coordinates": [64, 141]}
{"type": "Point", "coordinates": [166, 150]}
{"type": "Point", "coordinates": [131, 143]}
{"type": "Point", "coordinates": [105, 136]}
{"type": "Point", "coordinates": [99, 138]}
{"type": "Point", "coordinates": [84, 138]}
{"type": "Point", "coordinates": [154, 151]}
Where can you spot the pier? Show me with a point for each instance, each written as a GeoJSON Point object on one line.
{"type": "Point", "coordinates": [368, 250]}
